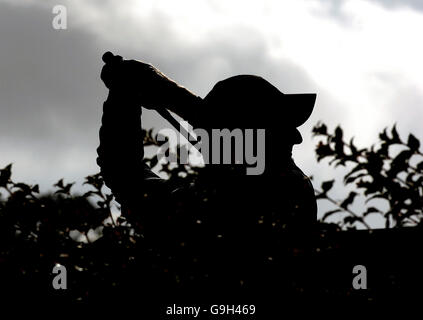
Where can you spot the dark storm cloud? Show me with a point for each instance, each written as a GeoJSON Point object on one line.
{"type": "Point", "coordinates": [44, 74]}
{"type": "Point", "coordinates": [49, 89]}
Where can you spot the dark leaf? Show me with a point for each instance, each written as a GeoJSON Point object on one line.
{"type": "Point", "coordinates": [357, 168]}
{"type": "Point", "coordinates": [351, 219]}
{"type": "Point", "coordinates": [5, 175]}
{"type": "Point", "coordinates": [323, 151]}
{"type": "Point", "coordinates": [59, 184]}
{"type": "Point", "coordinates": [327, 185]}
{"type": "Point", "coordinates": [23, 187]}
{"type": "Point", "coordinates": [319, 129]}
{"type": "Point", "coordinates": [400, 163]}
{"type": "Point", "coordinates": [371, 210]}
{"type": "Point", "coordinates": [395, 135]}
{"type": "Point", "coordinates": [339, 143]}
{"type": "Point", "coordinates": [383, 135]}
{"type": "Point", "coordinates": [321, 195]}
{"type": "Point", "coordinates": [354, 178]}
{"type": "Point", "coordinates": [36, 189]}
{"type": "Point", "coordinates": [378, 196]}
{"type": "Point", "coordinates": [329, 213]}
{"type": "Point", "coordinates": [349, 200]}
{"type": "Point", "coordinates": [353, 148]}
{"type": "Point", "coordinates": [413, 143]}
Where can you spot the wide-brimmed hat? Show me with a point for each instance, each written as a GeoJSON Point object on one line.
{"type": "Point", "coordinates": [249, 101]}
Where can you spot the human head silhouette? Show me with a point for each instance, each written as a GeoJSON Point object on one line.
{"type": "Point", "coordinates": [251, 102]}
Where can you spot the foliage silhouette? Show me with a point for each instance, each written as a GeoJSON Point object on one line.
{"type": "Point", "coordinates": [391, 171]}
{"type": "Point", "coordinates": [144, 252]}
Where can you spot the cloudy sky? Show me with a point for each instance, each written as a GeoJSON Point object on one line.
{"type": "Point", "coordinates": [362, 58]}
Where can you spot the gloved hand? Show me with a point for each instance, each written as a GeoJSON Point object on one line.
{"type": "Point", "coordinates": [141, 81]}
{"type": "Point", "coordinates": [147, 86]}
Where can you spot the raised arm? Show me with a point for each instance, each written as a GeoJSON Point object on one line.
{"type": "Point", "coordinates": [133, 84]}
{"type": "Point", "coordinates": [120, 152]}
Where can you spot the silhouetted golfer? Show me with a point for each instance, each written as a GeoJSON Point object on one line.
{"type": "Point", "coordinates": [244, 233]}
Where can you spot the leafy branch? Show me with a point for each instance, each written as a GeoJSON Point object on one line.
{"type": "Point", "coordinates": [383, 171]}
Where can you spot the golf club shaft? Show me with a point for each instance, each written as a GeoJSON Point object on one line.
{"type": "Point", "coordinates": [166, 115]}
